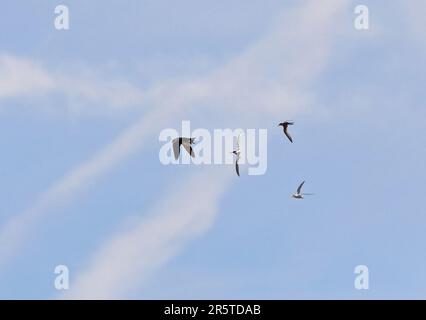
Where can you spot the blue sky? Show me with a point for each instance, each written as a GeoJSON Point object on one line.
{"type": "Point", "coordinates": [82, 185]}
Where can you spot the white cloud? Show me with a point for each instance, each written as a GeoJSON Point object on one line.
{"type": "Point", "coordinates": [269, 79]}
{"type": "Point", "coordinates": [85, 92]}
{"type": "Point", "coordinates": [23, 77]}
{"type": "Point", "coordinates": [126, 260]}
{"type": "Point", "coordinates": [269, 74]}
{"type": "Point", "coordinates": [16, 230]}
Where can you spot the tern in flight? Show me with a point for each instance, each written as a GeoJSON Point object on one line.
{"type": "Point", "coordinates": [237, 153]}
{"type": "Point", "coordinates": [285, 129]}
{"type": "Point", "coordinates": [298, 194]}
{"type": "Point", "coordinates": [186, 143]}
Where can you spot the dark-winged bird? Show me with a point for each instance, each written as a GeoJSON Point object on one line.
{"type": "Point", "coordinates": [186, 143]}
{"type": "Point", "coordinates": [299, 194]}
{"type": "Point", "coordinates": [285, 129]}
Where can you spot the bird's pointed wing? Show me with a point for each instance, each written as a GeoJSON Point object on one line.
{"type": "Point", "coordinates": [300, 187]}
{"type": "Point", "coordinates": [237, 167]}
{"type": "Point", "coordinates": [288, 134]}
{"type": "Point", "coordinates": [176, 148]}
{"type": "Point", "coordinates": [308, 194]}
{"type": "Point", "coordinates": [189, 149]}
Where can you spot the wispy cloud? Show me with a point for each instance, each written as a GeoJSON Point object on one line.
{"type": "Point", "coordinates": [267, 79]}
{"type": "Point", "coordinates": [128, 258]}
{"type": "Point", "coordinates": [23, 77]}
{"type": "Point", "coordinates": [16, 230]}
{"type": "Point", "coordinates": [85, 92]}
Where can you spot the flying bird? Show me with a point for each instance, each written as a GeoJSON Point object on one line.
{"type": "Point", "coordinates": [186, 143]}
{"type": "Point", "coordinates": [285, 129]}
{"type": "Point", "coordinates": [299, 194]}
{"type": "Point", "coordinates": [237, 153]}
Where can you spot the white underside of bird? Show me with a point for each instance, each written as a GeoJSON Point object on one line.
{"type": "Point", "coordinates": [237, 152]}
{"type": "Point", "coordinates": [299, 194]}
